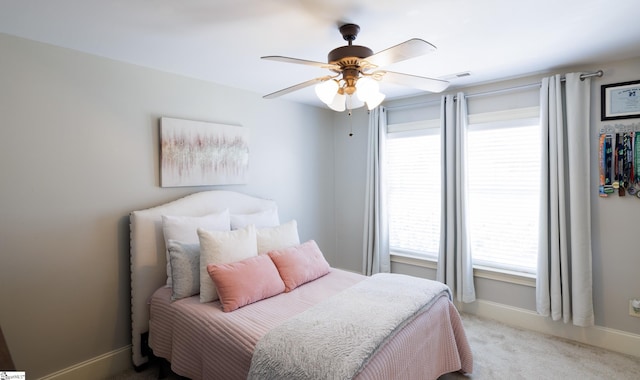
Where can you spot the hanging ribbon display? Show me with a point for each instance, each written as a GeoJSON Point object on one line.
{"type": "Point", "coordinates": [619, 160]}
{"type": "Point", "coordinates": [605, 158]}
{"type": "Point", "coordinates": [636, 164]}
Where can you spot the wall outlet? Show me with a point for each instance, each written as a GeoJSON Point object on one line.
{"type": "Point", "coordinates": [634, 312]}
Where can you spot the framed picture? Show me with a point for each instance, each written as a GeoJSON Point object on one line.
{"type": "Point", "coordinates": [620, 100]}
{"type": "Point", "coordinates": [195, 153]}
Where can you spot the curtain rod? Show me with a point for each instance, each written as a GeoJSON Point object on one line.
{"type": "Point", "coordinates": [598, 73]}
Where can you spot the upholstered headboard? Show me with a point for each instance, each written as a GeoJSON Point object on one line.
{"type": "Point", "coordinates": [148, 258]}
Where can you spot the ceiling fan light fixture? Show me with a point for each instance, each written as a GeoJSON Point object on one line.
{"type": "Point", "coordinates": [366, 87]}
{"type": "Point", "coordinates": [339, 102]}
{"type": "Point", "coordinates": [353, 102]}
{"type": "Point", "coordinates": [327, 90]}
{"type": "Point", "coordinates": [375, 100]}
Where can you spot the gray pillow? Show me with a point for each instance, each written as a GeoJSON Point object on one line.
{"type": "Point", "coordinates": [185, 269]}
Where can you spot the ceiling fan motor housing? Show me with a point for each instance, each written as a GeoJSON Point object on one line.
{"type": "Point", "coordinates": [349, 33]}
{"type": "Point", "coordinates": [338, 54]}
{"type": "Point", "coordinates": [348, 58]}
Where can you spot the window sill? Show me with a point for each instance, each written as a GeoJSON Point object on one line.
{"type": "Point", "coordinates": [512, 277]}
{"type": "Point", "coordinates": [413, 260]}
{"type": "Point", "coordinates": [519, 278]}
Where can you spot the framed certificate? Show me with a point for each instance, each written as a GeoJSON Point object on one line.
{"type": "Point", "coordinates": [620, 100]}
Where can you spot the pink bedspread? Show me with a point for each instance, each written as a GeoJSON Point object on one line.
{"type": "Point", "coordinates": [203, 342]}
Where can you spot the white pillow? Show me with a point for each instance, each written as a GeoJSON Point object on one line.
{"type": "Point", "coordinates": [267, 218]}
{"type": "Point", "coordinates": [218, 247]}
{"type": "Point", "coordinates": [280, 237]}
{"type": "Point", "coordinates": [184, 229]}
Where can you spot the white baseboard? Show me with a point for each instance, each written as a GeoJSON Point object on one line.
{"type": "Point", "coordinates": [603, 337]}
{"type": "Point", "coordinates": [100, 367]}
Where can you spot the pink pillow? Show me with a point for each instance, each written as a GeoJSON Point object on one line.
{"type": "Point", "coordinates": [299, 264]}
{"type": "Point", "coordinates": [243, 282]}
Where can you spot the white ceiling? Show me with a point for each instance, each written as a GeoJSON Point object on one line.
{"type": "Point", "coordinates": [222, 40]}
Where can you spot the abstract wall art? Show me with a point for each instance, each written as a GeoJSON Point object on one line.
{"type": "Point", "coordinates": [195, 153]}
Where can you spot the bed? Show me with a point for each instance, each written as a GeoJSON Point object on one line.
{"type": "Point", "coordinates": [219, 339]}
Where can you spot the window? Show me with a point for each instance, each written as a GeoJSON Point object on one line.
{"type": "Point", "coordinates": [503, 175]}
{"type": "Point", "coordinates": [413, 188]}
{"type": "Point", "coordinates": [503, 172]}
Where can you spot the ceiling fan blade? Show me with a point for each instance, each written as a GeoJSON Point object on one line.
{"type": "Point", "coordinates": [296, 87]}
{"type": "Point", "coordinates": [409, 49]}
{"type": "Point", "coordinates": [422, 83]}
{"type": "Point", "coordinates": [280, 58]}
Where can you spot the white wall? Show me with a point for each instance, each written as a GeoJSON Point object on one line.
{"type": "Point", "coordinates": [616, 256]}
{"type": "Point", "coordinates": [79, 151]}
{"type": "Point", "coordinates": [350, 177]}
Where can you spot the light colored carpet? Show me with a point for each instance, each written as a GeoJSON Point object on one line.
{"type": "Point", "coordinates": [503, 352]}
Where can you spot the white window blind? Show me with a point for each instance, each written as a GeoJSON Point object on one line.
{"type": "Point", "coordinates": [413, 188]}
{"type": "Point", "coordinates": [503, 172]}
{"type": "Point", "coordinates": [503, 161]}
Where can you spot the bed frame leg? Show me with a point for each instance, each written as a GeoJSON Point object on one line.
{"type": "Point", "coordinates": [164, 368]}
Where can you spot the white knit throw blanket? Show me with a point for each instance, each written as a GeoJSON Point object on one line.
{"type": "Point", "coordinates": [335, 338]}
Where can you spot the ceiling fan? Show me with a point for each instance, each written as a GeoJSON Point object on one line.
{"type": "Point", "coordinates": [357, 72]}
